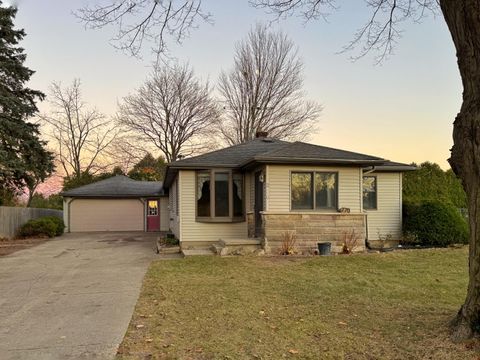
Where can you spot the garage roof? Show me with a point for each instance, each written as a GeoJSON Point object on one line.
{"type": "Point", "coordinates": [117, 186]}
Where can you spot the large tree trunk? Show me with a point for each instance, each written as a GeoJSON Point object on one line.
{"type": "Point", "coordinates": [463, 20]}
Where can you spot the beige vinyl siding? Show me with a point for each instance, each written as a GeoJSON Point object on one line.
{"type": "Point", "coordinates": [191, 230]}
{"type": "Point", "coordinates": [164, 214]}
{"type": "Point", "coordinates": [174, 220]}
{"type": "Point", "coordinates": [106, 215]}
{"type": "Point", "coordinates": [278, 186]}
{"type": "Point", "coordinates": [387, 219]}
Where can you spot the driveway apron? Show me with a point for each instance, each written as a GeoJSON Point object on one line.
{"type": "Point", "coordinates": [71, 297]}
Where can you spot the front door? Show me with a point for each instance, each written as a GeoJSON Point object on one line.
{"type": "Point", "coordinates": [153, 215]}
{"type": "Point", "coordinates": [258, 203]}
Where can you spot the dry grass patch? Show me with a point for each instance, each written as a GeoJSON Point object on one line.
{"type": "Point", "coordinates": [9, 246]}
{"type": "Point", "coordinates": [375, 306]}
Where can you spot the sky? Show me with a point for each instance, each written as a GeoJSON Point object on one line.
{"type": "Point", "coordinates": [401, 110]}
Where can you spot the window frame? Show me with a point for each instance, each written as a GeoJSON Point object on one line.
{"type": "Point", "coordinates": [212, 218]}
{"type": "Point", "coordinates": [149, 207]}
{"type": "Point", "coordinates": [314, 196]}
{"type": "Point", "coordinates": [376, 192]}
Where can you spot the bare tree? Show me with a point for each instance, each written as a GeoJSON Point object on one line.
{"type": "Point", "coordinates": [381, 31]}
{"type": "Point", "coordinates": [128, 149]}
{"type": "Point", "coordinates": [80, 135]}
{"type": "Point", "coordinates": [150, 21]}
{"type": "Point", "coordinates": [173, 110]}
{"type": "Point", "coordinates": [264, 90]}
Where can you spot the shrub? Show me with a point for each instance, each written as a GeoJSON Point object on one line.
{"type": "Point", "coordinates": [350, 242]}
{"type": "Point", "coordinates": [435, 224]}
{"type": "Point", "coordinates": [288, 243]}
{"type": "Point", "coordinates": [38, 227]}
{"type": "Point", "coordinates": [60, 226]}
{"type": "Point", "coordinates": [45, 226]}
{"type": "Point", "coordinates": [172, 241]}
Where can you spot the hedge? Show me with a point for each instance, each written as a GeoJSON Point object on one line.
{"type": "Point", "coordinates": [44, 226]}
{"type": "Point", "coordinates": [433, 223]}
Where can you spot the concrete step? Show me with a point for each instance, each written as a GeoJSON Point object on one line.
{"type": "Point", "coordinates": [244, 246]}
{"type": "Point", "coordinates": [237, 242]}
{"type": "Point", "coordinates": [168, 250]}
{"type": "Point", "coordinates": [194, 252]}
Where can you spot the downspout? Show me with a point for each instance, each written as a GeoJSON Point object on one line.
{"type": "Point", "coordinates": [68, 214]}
{"type": "Point", "coordinates": [369, 170]}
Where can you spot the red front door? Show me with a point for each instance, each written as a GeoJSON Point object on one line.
{"type": "Point", "coordinates": [153, 215]}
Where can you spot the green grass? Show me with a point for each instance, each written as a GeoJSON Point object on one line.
{"type": "Point", "coordinates": [371, 306]}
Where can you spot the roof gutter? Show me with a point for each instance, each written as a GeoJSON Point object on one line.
{"type": "Point", "coordinates": [311, 161]}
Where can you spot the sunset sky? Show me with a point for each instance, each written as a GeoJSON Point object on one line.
{"type": "Point", "coordinates": [401, 110]}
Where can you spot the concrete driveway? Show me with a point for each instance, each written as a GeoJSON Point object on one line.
{"type": "Point", "coordinates": [71, 297]}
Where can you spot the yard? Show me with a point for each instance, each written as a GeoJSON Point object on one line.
{"type": "Point", "coordinates": [369, 306]}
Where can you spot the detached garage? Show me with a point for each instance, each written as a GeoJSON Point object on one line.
{"type": "Point", "coordinates": [116, 204]}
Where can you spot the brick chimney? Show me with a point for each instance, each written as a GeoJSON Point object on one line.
{"type": "Point", "coordinates": [261, 134]}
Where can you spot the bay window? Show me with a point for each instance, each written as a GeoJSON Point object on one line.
{"type": "Point", "coordinates": [219, 196]}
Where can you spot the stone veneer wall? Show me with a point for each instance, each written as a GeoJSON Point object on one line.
{"type": "Point", "coordinates": [311, 229]}
{"type": "Point", "coordinates": [251, 224]}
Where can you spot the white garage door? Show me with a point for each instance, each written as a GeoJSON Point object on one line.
{"type": "Point", "coordinates": [106, 215]}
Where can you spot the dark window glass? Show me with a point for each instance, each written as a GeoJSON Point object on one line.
{"type": "Point", "coordinates": [237, 194]}
{"type": "Point", "coordinates": [325, 190]}
{"type": "Point", "coordinates": [203, 194]}
{"type": "Point", "coordinates": [369, 192]}
{"type": "Point", "coordinates": [302, 194]}
{"type": "Point", "coordinates": [221, 194]}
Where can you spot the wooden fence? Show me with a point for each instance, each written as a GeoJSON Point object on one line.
{"type": "Point", "coordinates": [11, 218]}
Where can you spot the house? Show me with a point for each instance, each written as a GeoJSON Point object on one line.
{"type": "Point", "coordinates": [261, 189]}
{"type": "Point", "coordinates": [116, 204]}
{"type": "Point", "coordinates": [250, 195]}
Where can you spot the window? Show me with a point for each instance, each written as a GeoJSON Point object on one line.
{"type": "Point", "coordinates": [314, 190]}
{"type": "Point", "coordinates": [302, 191]}
{"type": "Point", "coordinates": [222, 205]}
{"type": "Point", "coordinates": [369, 192]}
{"type": "Point", "coordinates": [203, 194]}
{"type": "Point", "coordinates": [219, 195]}
{"type": "Point", "coordinates": [152, 208]}
{"type": "Point", "coordinates": [326, 190]}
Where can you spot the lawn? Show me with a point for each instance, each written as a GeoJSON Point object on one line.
{"type": "Point", "coordinates": [367, 306]}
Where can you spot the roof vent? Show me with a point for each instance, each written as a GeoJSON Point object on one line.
{"type": "Point", "coordinates": [261, 134]}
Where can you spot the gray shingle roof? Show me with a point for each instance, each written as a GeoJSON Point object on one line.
{"type": "Point", "coordinates": [300, 150]}
{"type": "Point", "coordinates": [232, 156]}
{"type": "Point", "coordinates": [264, 149]}
{"type": "Point", "coordinates": [395, 166]}
{"type": "Point", "coordinates": [117, 186]}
